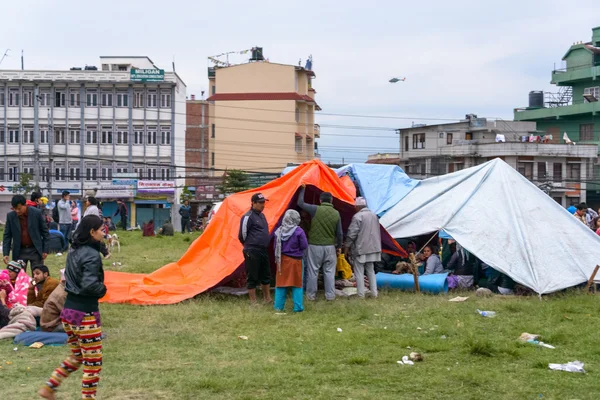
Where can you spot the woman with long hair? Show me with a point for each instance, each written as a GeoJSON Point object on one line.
{"type": "Point", "coordinates": [84, 284]}
{"type": "Point", "coordinates": [433, 264]}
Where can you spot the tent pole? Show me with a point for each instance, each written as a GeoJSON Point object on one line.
{"type": "Point", "coordinates": [591, 280]}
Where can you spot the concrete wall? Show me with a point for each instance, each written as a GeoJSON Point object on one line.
{"type": "Point", "coordinates": [257, 77]}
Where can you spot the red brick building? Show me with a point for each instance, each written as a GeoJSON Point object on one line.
{"type": "Point", "coordinates": [196, 146]}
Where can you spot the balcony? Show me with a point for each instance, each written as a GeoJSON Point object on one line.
{"type": "Point", "coordinates": [317, 131]}
{"type": "Point", "coordinates": [574, 74]}
{"type": "Point", "coordinates": [519, 149]}
{"type": "Point", "coordinates": [577, 108]}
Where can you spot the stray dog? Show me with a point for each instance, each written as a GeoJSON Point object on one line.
{"type": "Point", "coordinates": [113, 240]}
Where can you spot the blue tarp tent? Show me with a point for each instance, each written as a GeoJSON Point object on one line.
{"type": "Point", "coordinates": [383, 186]}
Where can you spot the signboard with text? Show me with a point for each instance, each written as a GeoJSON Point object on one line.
{"type": "Point", "coordinates": [114, 192]}
{"type": "Point", "coordinates": [147, 75]}
{"type": "Point", "coordinates": [166, 187]}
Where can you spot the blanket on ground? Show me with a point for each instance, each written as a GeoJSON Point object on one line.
{"type": "Point", "coordinates": [21, 320]}
{"type": "Point", "coordinates": [19, 292]}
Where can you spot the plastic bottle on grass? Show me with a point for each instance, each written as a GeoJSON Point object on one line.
{"type": "Point", "coordinates": [487, 314]}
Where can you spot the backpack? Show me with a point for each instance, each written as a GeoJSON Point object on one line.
{"type": "Point", "coordinates": [55, 216]}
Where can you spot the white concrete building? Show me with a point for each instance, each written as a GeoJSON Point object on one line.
{"type": "Point", "coordinates": [81, 128]}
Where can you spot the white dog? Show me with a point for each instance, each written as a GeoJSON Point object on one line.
{"type": "Point", "coordinates": [113, 240]}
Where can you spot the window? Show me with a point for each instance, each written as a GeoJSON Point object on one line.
{"type": "Point", "coordinates": [586, 132]}
{"type": "Point", "coordinates": [574, 171]}
{"type": "Point", "coordinates": [213, 89]}
{"type": "Point", "coordinates": [29, 171]}
{"type": "Point", "coordinates": [106, 174]}
{"type": "Point", "coordinates": [297, 114]}
{"type": "Point", "coordinates": [165, 100]}
{"type": "Point", "coordinates": [165, 174]}
{"type": "Point", "coordinates": [2, 135]}
{"type": "Point", "coordinates": [14, 98]}
{"type": "Point", "coordinates": [2, 177]}
{"type": "Point", "coordinates": [43, 135]}
{"type": "Point", "coordinates": [74, 136]}
{"type": "Point", "coordinates": [449, 138]}
{"type": "Point", "coordinates": [557, 172]}
{"type": "Point", "coordinates": [122, 99]}
{"type": "Point", "coordinates": [91, 174]}
{"type": "Point", "coordinates": [91, 99]}
{"type": "Point", "coordinates": [44, 99]}
{"type": "Point", "coordinates": [469, 136]}
{"type": "Point", "coordinates": [59, 98]}
{"type": "Point", "coordinates": [74, 174]}
{"type": "Point", "coordinates": [27, 98]}
{"type": "Point", "coordinates": [151, 99]}
{"type": "Point", "coordinates": [151, 136]}
{"type": "Point", "coordinates": [298, 144]}
{"type": "Point", "coordinates": [2, 103]}
{"type": "Point", "coordinates": [406, 141]}
{"type": "Point", "coordinates": [107, 99]}
{"type": "Point", "coordinates": [541, 170]}
{"type": "Point", "coordinates": [212, 158]}
{"type": "Point", "coordinates": [107, 136]}
{"type": "Point", "coordinates": [212, 131]}
{"type": "Point", "coordinates": [60, 174]}
{"type": "Point", "coordinates": [13, 173]}
{"type": "Point", "coordinates": [13, 136]}
{"type": "Point", "coordinates": [122, 136]}
{"type": "Point", "coordinates": [121, 169]}
{"type": "Point", "coordinates": [45, 174]}
{"type": "Point", "coordinates": [165, 137]}
{"type": "Point", "coordinates": [28, 136]}
{"type": "Point", "coordinates": [139, 172]}
{"type": "Point", "coordinates": [151, 173]}
{"type": "Point", "coordinates": [74, 99]}
{"type": "Point", "coordinates": [138, 136]}
{"type": "Point", "coordinates": [138, 100]}
{"type": "Point", "coordinates": [59, 136]}
{"type": "Point", "coordinates": [419, 141]}
{"type": "Point", "coordinates": [91, 136]}
{"type": "Point", "coordinates": [594, 91]}
{"type": "Point", "coordinates": [525, 169]}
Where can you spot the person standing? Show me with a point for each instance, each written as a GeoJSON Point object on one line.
{"type": "Point", "coordinates": [65, 219]}
{"type": "Point", "coordinates": [185, 210]}
{"type": "Point", "coordinates": [84, 284]}
{"type": "Point", "coordinates": [122, 211]}
{"type": "Point", "coordinates": [324, 241]}
{"type": "Point", "coordinates": [254, 235]}
{"type": "Point", "coordinates": [290, 245]}
{"type": "Point", "coordinates": [363, 246]}
{"type": "Point", "coordinates": [91, 207]}
{"type": "Point", "coordinates": [26, 233]}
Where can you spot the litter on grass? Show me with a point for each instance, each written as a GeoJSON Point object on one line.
{"type": "Point", "coordinates": [405, 361]}
{"type": "Point", "coordinates": [573, 366]}
{"type": "Point", "coordinates": [525, 337]}
{"type": "Point", "coordinates": [36, 345]}
{"type": "Point", "coordinates": [458, 299]}
{"type": "Point", "coordinates": [339, 330]}
{"type": "Point", "coordinates": [414, 356]}
{"type": "Point", "coordinates": [243, 337]}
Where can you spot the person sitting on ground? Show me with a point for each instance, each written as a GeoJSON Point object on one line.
{"type": "Point", "coordinates": [111, 225]}
{"type": "Point", "coordinates": [463, 264]}
{"type": "Point", "coordinates": [290, 244]}
{"type": "Point", "coordinates": [433, 264]}
{"type": "Point", "coordinates": [57, 243]}
{"type": "Point", "coordinates": [148, 228]}
{"type": "Point", "coordinates": [50, 319]}
{"type": "Point", "coordinates": [498, 282]}
{"type": "Point", "coordinates": [4, 311]}
{"type": "Point", "coordinates": [41, 287]}
{"type": "Point", "coordinates": [19, 282]}
{"type": "Point", "coordinates": [167, 229]}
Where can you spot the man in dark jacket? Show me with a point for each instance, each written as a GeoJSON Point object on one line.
{"type": "Point", "coordinates": [254, 235]}
{"type": "Point", "coordinates": [26, 233]}
{"type": "Point", "coordinates": [122, 211]}
{"type": "Point", "coordinates": [186, 214]}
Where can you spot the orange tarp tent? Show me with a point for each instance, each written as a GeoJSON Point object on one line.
{"type": "Point", "coordinates": [217, 253]}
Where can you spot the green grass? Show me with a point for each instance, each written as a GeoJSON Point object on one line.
{"type": "Point", "coordinates": [191, 350]}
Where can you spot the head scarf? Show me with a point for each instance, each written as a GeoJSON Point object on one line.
{"type": "Point", "coordinates": [290, 223]}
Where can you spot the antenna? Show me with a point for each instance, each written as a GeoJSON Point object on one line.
{"type": "Point", "coordinates": [173, 62]}
{"type": "Point", "coordinates": [22, 61]}
{"type": "Point", "coordinates": [5, 54]}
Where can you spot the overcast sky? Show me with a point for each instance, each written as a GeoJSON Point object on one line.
{"type": "Point", "coordinates": [458, 57]}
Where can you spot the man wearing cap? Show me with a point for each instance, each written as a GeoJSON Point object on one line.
{"type": "Point", "coordinates": [25, 233]}
{"type": "Point", "coordinates": [254, 235]}
{"type": "Point", "coordinates": [363, 246]}
{"type": "Point", "coordinates": [65, 219]}
{"type": "Point", "coordinates": [324, 241]}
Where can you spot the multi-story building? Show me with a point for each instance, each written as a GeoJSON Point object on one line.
{"type": "Point", "coordinates": [102, 129]}
{"type": "Point", "coordinates": [574, 107]}
{"type": "Point", "coordinates": [261, 115]}
{"type": "Point", "coordinates": [430, 150]}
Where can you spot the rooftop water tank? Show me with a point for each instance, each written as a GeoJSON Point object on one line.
{"type": "Point", "coordinates": [536, 99]}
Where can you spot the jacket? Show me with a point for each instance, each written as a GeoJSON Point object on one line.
{"type": "Point", "coordinates": [364, 233]}
{"type": "Point", "coordinates": [254, 231]}
{"type": "Point", "coordinates": [185, 211]}
{"type": "Point", "coordinates": [64, 212]}
{"type": "Point", "coordinates": [50, 317]}
{"type": "Point", "coordinates": [38, 232]}
{"type": "Point", "coordinates": [326, 223]}
{"type": "Point", "coordinates": [93, 210]}
{"type": "Point", "coordinates": [42, 295]}
{"type": "Point", "coordinates": [121, 210]}
{"type": "Point", "coordinates": [84, 278]}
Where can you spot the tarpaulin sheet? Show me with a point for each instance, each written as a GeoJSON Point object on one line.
{"type": "Point", "coordinates": [217, 253]}
{"type": "Point", "coordinates": [383, 186]}
{"type": "Point", "coordinates": [505, 220]}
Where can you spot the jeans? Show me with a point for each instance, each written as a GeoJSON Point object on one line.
{"type": "Point", "coordinates": [185, 224]}
{"type": "Point", "coordinates": [65, 229]}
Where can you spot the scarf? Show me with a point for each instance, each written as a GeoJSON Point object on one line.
{"type": "Point", "coordinates": [290, 223]}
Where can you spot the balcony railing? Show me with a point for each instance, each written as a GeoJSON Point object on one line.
{"type": "Point", "coordinates": [317, 131]}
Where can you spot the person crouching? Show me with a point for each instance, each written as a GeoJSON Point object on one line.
{"type": "Point", "coordinates": [290, 245]}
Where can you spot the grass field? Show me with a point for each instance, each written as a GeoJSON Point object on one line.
{"type": "Point", "coordinates": [192, 351]}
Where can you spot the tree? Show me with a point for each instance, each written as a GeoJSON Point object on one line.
{"type": "Point", "coordinates": [185, 194]}
{"type": "Point", "coordinates": [25, 186]}
{"type": "Point", "coordinates": [234, 181]}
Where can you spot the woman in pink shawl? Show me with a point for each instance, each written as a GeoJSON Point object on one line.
{"type": "Point", "coordinates": [19, 283]}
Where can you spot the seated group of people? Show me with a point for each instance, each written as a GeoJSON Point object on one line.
{"type": "Point", "coordinates": [43, 295]}
{"type": "Point", "coordinates": [167, 229]}
{"type": "Point", "coordinates": [465, 270]}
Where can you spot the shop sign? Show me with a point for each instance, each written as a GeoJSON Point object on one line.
{"type": "Point", "coordinates": [114, 192]}
{"type": "Point", "coordinates": [166, 187]}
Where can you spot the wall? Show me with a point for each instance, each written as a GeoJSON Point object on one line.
{"type": "Point", "coordinates": [257, 77]}
{"type": "Point", "coordinates": [193, 140]}
{"type": "Point", "coordinates": [579, 57]}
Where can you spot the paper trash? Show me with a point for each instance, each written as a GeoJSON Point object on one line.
{"type": "Point", "coordinates": [574, 366]}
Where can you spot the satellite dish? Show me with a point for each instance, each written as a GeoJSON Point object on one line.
{"type": "Point", "coordinates": [395, 80]}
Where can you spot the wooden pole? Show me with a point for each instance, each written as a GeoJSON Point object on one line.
{"type": "Point", "coordinates": [591, 280]}
{"type": "Point", "coordinates": [415, 270]}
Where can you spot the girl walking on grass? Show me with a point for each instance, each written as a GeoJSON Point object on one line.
{"type": "Point", "coordinates": [84, 284]}
{"type": "Point", "coordinates": [290, 245]}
